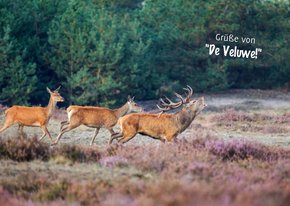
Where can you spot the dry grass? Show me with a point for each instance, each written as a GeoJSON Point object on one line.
{"type": "Point", "coordinates": [27, 149]}
{"type": "Point", "coordinates": [252, 122]}
{"type": "Point", "coordinates": [199, 169]}
{"type": "Point", "coordinates": [20, 149]}
{"type": "Point", "coordinates": [203, 171]}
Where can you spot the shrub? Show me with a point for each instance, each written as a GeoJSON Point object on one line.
{"type": "Point", "coordinates": [203, 171]}
{"type": "Point", "coordinates": [25, 183]}
{"type": "Point", "coordinates": [285, 118]}
{"type": "Point", "coordinates": [7, 199]}
{"type": "Point", "coordinates": [274, 129]}
{"type": "Point", "coordinates": [231, 115]}
{"type": "Point", "coordinates": [77, 153]}
{"type": "Point", "coordinates": [238, 149]}
{"type": "Point", "coordinates": [113, 161]}
{"type": "Point", "coordinates": [27, 149]}
{"type": "Point", "coordinates": [53, 191]}
{"type": "Point", "coordinates": [22, 149]}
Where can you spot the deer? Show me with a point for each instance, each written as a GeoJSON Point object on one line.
{"type": "Point", "coordinates": [164, 127]}
{"type": "Point", "coordinates": [32, 116]}
{"type": "Point", "coordinates": [96, 117]}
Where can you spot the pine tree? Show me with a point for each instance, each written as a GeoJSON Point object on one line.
{"type": "Point", "coordinates": [96, 53]}
{"type": "Point", "coordinates": [17, 77]}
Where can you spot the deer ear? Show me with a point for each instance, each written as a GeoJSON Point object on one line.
{"type": "Point", "coordinates": [48, 90]}
{"type": "Point", "coordinates": [133, 98]}
{"type": "Point", "coordinates": [57, 89]}
{"type": "Point", "coordinates": [129, 98]}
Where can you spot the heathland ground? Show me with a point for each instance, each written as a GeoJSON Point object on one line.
{"type": "Point", "coordinates": [236, 152]}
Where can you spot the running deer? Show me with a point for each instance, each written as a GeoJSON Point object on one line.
{"type": "Point", "coordinates": [96, 117]}
{"type": "Point", "coordinates": [32, 116]}
{"type": "Point", "coordinates": [164, 127]}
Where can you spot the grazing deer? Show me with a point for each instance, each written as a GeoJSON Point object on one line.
{"type": "Point", "coordinates": [96, 117]}
{"type": "Point", "coordinates": [164, 127]}
{"type": "Point", "coordinates": [32, 116]}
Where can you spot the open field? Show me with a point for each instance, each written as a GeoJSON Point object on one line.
{"type": "Point", "coordinates": [237, 152]}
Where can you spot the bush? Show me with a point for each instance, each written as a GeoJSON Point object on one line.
{"type": "Point", "coordinates": [203, 171]}
{"type": "Point", "coordinates": [76, 153]}
{"type": "Point", "coordinates": [27, 149]}
{"type": "Point", "coordinates": [240, 150]}
{"type": "Point", "coordinates": [20, 149]}
{"type": "Point", "coordinates": [100, 50]}
{"type": "Point", "coordinates": [232, 115]}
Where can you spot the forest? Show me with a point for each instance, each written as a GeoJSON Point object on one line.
{"type": "Point", "coordinates": [100, 51]}
{"type": "Point", "coordinates": [230, 133]}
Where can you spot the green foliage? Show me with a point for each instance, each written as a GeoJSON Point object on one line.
{"type": "Point", "coordinates": [268, 22]}
{"type": "Point", "coordinates": [102, 51]}
{"type": "Point", "coordinates": [17, 77]}
{"type": "Point", "coordinates": [181, 29]}
{"type": "Point", "coordinates": [96, 53]}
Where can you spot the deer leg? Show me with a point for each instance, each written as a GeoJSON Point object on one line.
{"type": "Point", "coordinates": [162, 140]}
{"type": "Point", "coordinates": [111, 131]}
{"type": "Point", "coordinates": [115, 136]}
{"type": "Point", "coordinates": [95, 134]}
{"type": "Point", "coordinates": [45, 132]}
{"type": "Point", "coordinates": [126, 139]}
{"type": "Point", "coordinates": [127, 136]}
{"type": "Point", "coordinates": [6, 125]}
{"type": "Point", "coordinates": [171, 138]}
{"type": "Point", "coordinates": [128, 133]}
{"type": "Point", "coordinates": [49, 136]}
{"type": "Point", "coordinates": [64, 130]}
{"type": "Point", "coordinates": [63, 123]}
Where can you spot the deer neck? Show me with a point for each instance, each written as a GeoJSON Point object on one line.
{"type": "Point", "coordinates": [50, 107]}
{"type": "Point", "coordinates": [184, 118]}
{"type": "Point", "coordinates": [120, 112]}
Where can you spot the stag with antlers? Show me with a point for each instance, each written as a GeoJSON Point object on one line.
{"type": "Point", "coordinates": [164, 127]}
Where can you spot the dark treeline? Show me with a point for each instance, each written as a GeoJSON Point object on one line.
{"type": "Point", "coordinates": [102, 50]}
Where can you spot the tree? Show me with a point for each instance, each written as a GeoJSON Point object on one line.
{"type": "Point", "coordinates": [96, 53]}
{"type": "Point", "coordinates": [17, 78]}
{"type": "Point", "coordinates": [179, 31]}
{"type": "Point", "coordinates": [101, 50]}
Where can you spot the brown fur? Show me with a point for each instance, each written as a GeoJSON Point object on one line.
{"type": "Point", "coordinates": [32, 116]}
{"type": "Point", "coordinates": [164, 127]}
{"type": "Point", "coordinates": [95, 117]}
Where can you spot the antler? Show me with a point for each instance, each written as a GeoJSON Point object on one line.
{"type": "Point", "coordinates": [188, 95]}
{"type": "Point", "coordinates": [170, 104]}
{"type": "Point", "coordinates": [163, 109]}
{"type": "Point", "coordinates": [167, 104]}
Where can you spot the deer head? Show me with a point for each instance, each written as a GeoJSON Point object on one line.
{"type": "Point", "coordinates": [195, 105]}
{"type": "Point", "coordinates": [54, 95]}
{"type": "Point", "coordinates": [133, 106]}
{"type": "Point", "coordinates": [167, 104]}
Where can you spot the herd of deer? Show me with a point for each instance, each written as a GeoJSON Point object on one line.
{"type": "Point", "coordinates": [164, 127]}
